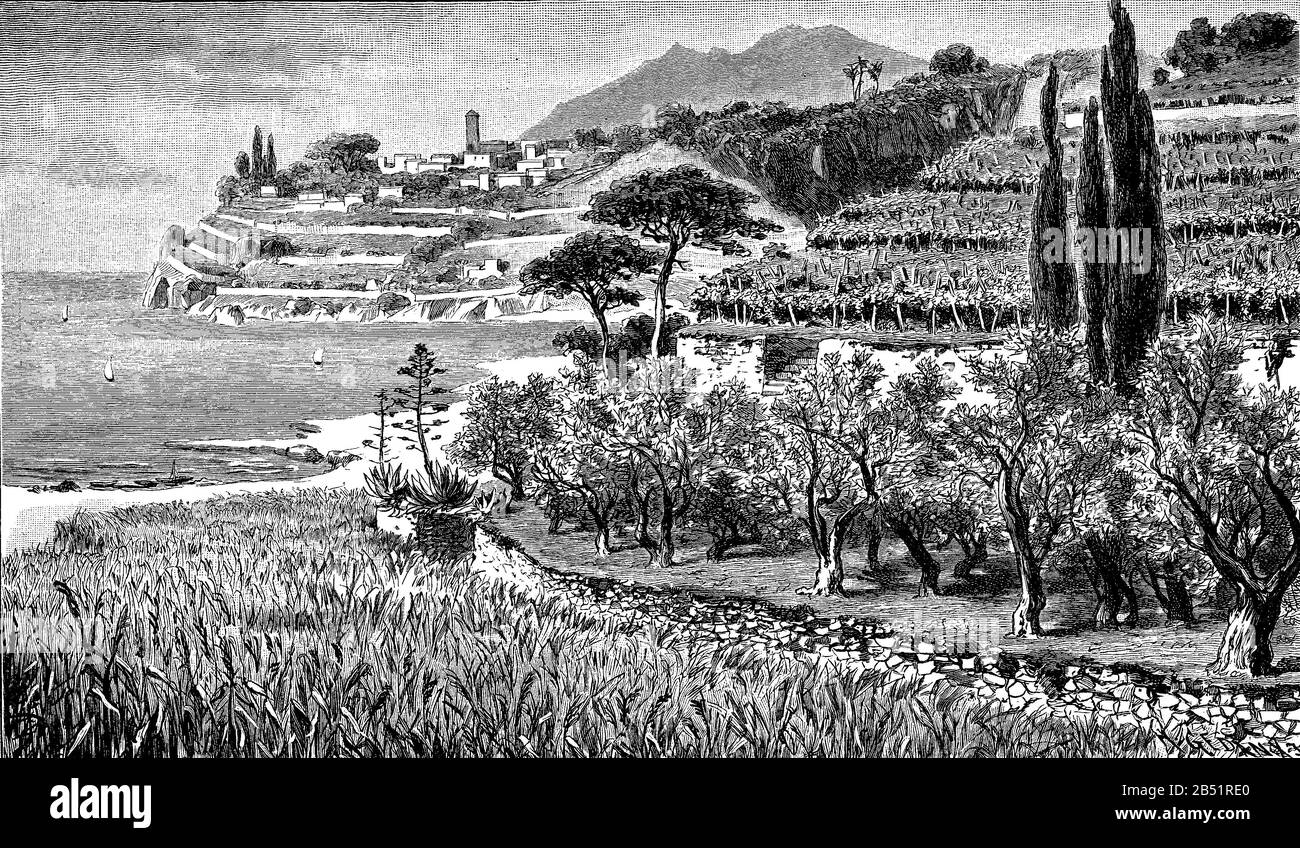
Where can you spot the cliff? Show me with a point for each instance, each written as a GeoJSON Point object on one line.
{"type": "Point", "coordinates": [810, 162]}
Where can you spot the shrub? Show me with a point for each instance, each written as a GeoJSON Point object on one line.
{"type": "Point", "coordinates": [957, 59]}
{"type": "Point", "coordinates": [277, 246]}
{"type": "Point", "coordinates": [1030, 138]}
{"type": "Point", "coordinates": [391, 303]}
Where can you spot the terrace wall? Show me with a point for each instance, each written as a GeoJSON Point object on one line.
{"type": "Point", "coordinates": [1189, 715]}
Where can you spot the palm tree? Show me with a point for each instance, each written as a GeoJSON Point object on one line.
{"type": "Point", "coordinates": [861, 69]}
{"type": "Point", "coordinates": [873, 71]}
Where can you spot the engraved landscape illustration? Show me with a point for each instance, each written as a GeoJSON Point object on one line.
{"type": "Point", "coordinates": [610, 379]}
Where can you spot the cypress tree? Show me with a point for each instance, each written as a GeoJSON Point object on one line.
{"type": "Point", "coordinates": [1092, 206]}
{"type": "Point", "coordinates": [271, 168]}
{"type": "Point", "coordinates": [259, 164]}
{"type": "Point", "coordinates": [1124, 304]}
{"type": "Point", "coordinates": [1052, 276]}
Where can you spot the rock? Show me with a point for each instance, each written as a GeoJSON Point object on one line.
{"type": "Point", "coordinates": [65, 486]}
{"type": "Point", "coordinates": [495, 497]}
{"type": "Point", "coordinates": [338, 458]}
{"type": "Point", "coordinates": [304, 453]}
{"type": "Point", "coordinates": [228, 316]}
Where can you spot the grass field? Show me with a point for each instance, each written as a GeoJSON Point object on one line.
{"type": "Point", "coordinates": [289, 625]}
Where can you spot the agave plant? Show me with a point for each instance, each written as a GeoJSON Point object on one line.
{"type": "Point", "coordinates": [443, 490]}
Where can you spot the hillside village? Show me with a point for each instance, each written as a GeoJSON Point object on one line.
{"type": "Point", "coordinates": [355, 232]}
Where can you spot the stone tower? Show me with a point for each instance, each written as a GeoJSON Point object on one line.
{"type": "Point", "coordinates": [471, 131]}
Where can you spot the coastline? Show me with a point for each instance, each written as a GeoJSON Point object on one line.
{"type": "Point", "coordinates": [27, 519]}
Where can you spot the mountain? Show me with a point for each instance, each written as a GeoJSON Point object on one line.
{"type": "Point", "coordinates": [797, 65]}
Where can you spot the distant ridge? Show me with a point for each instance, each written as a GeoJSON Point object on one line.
{"type": "Point", "coordinates": [797, 65]}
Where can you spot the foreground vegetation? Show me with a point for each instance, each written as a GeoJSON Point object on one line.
{"type": "Point", "coordinates": [289, 625]}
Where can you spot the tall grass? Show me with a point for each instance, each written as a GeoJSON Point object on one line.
{"type": "Point", "coordinates": [289, 625]}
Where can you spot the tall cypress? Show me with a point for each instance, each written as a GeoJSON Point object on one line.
{"type": "Point", "coordinates": [271, 168]}
{"type": "Point", "coordinates": [1092, 207]}
{"type": "Point", "coordinates": [1052, 276]}
{"type": "Point", "coordinates": [259, 164]}
{"type": "Point", "coordinates": [1124, 302]}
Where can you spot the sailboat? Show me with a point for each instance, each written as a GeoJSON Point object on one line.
{"type": "Point", "coordinates": [67, 313]}
{"type": "Point", "coordinates": [108, 370]}
{"type": "Point", "coordinates": [319, 358]}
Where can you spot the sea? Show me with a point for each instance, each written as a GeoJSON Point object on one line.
{"type": "Point", "coordinates": [182, 379]}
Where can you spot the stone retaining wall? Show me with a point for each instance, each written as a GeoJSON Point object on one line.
{"type": "Point", "coordinates": [1193, 718]}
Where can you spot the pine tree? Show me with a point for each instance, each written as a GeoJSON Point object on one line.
{"type": "Point", "coordinates": [259, 164]}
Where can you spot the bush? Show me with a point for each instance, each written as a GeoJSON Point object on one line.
{"type": "Point", "coordinates": [303, 306]}
{"type": "Point", "coordinates": [1030, 138]}
{"type": "Point", "coordinates": [277, 246]}
{"type": "Point", "coordinates": [957, 59]}
{"type": "Point", "coordinates": [1260, 31]}
{"type": "Point", "coordinates": [391, 303]}
{"type": "Point", "coordinates": [638, 331]}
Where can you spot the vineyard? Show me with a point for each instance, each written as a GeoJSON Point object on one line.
{"type": "Point", "coordinates": [1196, 153]}
{"type": "Point", "coordinates": [950, 254]}
{"type": "Point", "coordinates": [989, 221]}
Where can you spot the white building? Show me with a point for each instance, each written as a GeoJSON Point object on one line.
{"type": "Point", "coordinates": [489, 268]}
{"type": "Point", "coordinates": [414, 163]}
{"type": "Point", "coordinates": [479, 160]}
{"type": "Point", "coordinates": [269, 191]}
{"type": "Point", "coordinates": [516, 179]}
{"type": "Point", "coordinates": [391, 191]}
{"type": "Point", "coordinates": [530, 164]}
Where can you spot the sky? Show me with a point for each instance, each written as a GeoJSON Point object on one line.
{"type": "Point", "coordinates": [117, 119]}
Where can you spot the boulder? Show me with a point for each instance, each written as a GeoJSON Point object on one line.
{"type": "Point", "coordinates": [228, 316]}
{"type": "Point", "coordinates": [304, 453]}
{"type": "Point", "coordinates": [337, 458]}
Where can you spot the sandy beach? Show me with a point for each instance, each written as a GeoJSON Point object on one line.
{"type": "Point", "coordinates": [28, 518]}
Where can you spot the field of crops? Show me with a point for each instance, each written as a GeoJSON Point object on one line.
{"type": "Point", "coordinates": [288, 625]}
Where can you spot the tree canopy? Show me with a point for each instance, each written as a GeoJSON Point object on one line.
{"type": "Point", "coordinates": [345, 153]}
{"type": "Point", "coordinates": [957, 59]}
{"type": "Point", "coordinates": [673, 207]}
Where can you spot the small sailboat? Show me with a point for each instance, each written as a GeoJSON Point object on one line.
{"type": "Point", "coordinates": [108, 370]}
{"type": "Point", "coordinates": [67, 313]}
{"type": "Point", "coordinates": [319, 358]}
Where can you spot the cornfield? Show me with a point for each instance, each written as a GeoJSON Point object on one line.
{"type": "Point", "coordinates": [289, 625]}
